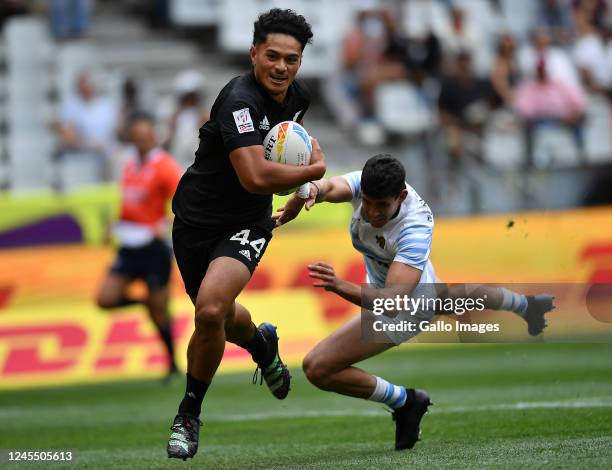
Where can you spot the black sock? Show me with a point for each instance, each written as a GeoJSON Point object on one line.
{"type": "Point", "coordinates": [194, 395]}
{"type": "Point", "coordinates": [258, 347]}
{"type": "Point", "coordinates": [125, 301]}
{"type": "Point", "coordinates": [165, 333]}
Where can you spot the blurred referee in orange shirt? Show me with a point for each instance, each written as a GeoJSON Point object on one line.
{"type": "Point", "coordinates": [148, 181]}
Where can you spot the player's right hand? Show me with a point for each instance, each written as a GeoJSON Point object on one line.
{"type": "Point", "coordinates": [317, 160]}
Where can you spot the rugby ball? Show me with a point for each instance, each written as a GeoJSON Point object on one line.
{"type": "Point", "coordinates": [288, 143]}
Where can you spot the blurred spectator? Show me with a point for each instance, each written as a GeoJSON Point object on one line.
{"type": "Point", "coordinates": [497, 6]}
{"type": "Point", "coordinates": [592, 53]}
{"type": "Point", "coordinates": [587, 13]}
{"type": "Point", "coordinates": [463, 106]}
{"type": "Point", "coordinates": [10, 8]}
{"type": "Point", "coordinates": [88, 124]}
{"type": "Point", "coordinates": [558, 62]}
{"type": "Point", "coordinates": [70, 18]}
{"type": "Point", "coordinates": [371, 56]}
{"type": "Point", "coordinates": [460, 35]}
{"type": "Point", "coordinates": [148, 182]}
{"type": "Point", "coordinates": [555, 17]}
{"type": "Point", "coordinates": [187, 118]}
{"type": "Point", "coordinates": [158, 13]}
{"type": "Point", "coordinates": [548, 100]}
{"type": "Point", "coordinates": [131, 103]}
{"type": "Point", "coordinates": [505, 72]}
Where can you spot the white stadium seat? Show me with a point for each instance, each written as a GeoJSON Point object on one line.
{"type": "Point", "coordinates": [504, 142]}
{"type": "Point", "coordinates": [30, 165]}
{"type": "Point", "coordinates": [77, 170]}
{"type": "Point", "coordinates": [195, 12]}
{"type": "Point", "coordinates": [597, 131]}
{"type": "Point", "coordinates": [399, 108]}
{"type": "Point", "coordinates": [554, 147]}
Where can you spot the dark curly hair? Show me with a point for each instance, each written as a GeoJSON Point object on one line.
{"type": "Point", "coordinates": [284, 22]}
{"type": "Point", "coordinates": [383, 176]}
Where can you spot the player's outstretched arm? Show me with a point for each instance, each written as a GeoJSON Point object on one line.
{"type": "Point", "coordinates": [261, 176]}
{"type": "Point", "coordinates": [334, 189]}
{"type": "Point", "coordinates": [326, 279]}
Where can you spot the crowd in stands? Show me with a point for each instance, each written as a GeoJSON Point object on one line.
{"type": "Point", "coordinates": [463, 75]}
{"type": "Point", "coordinates": [447, 74]}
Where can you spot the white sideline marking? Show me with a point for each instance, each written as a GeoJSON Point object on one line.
{"type": "Point", "coordinates": [47, 416]}
{"type": "Point", "coordinates": [448, 410]}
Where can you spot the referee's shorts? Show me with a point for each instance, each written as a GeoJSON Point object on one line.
{"type": "Point", "coordinates": [152, 263]}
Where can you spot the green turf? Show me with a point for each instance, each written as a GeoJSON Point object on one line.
{"type": "Point", "coordinates": [503, 406]}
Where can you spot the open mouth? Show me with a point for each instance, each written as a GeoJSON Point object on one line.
{"type": "Point", "coordinates": [278, 80]}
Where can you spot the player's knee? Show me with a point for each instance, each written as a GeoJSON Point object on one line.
{"type": "Point", "coordinates": [316, 371]}
{"type": "Point", "coordinates": [210, 315]}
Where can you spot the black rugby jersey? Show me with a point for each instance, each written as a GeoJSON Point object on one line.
{"type": "Point", "coordinates": [209, 194]}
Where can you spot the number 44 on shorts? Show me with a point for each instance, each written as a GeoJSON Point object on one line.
{"type": "Point", "coordinates": [243, 238]}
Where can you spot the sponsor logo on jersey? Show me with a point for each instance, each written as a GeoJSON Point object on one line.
{"type": "Point", "coordinates": [243, 120]}
{"type": "Point", "coordinates": [380, 241]}
{"type": "Point", "coordinates": [295, 118]}
{"type": "Point", "coordinates": [246, 254]}
{"type": "Point", "coordinates": [264, 125]}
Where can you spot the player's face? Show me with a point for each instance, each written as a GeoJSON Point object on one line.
{"type": "Point", "coordinates": [142, 135]}
{"type": "Point", "coordinates": [275, 62]}
{"type": "Point", "coordinates": [379, 211]}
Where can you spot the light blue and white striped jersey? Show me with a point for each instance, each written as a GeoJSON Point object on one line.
{"type": "Point", "coordinates": [406, 238]}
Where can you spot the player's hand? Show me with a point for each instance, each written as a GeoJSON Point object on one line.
{"type": "Point", "coordinates": [317, 160]}
{"type": "Point", "coordinates": [313, 193]}
{"type": "Point", "coordinates": [290, 211]}
{"type": "Point", "coordinates": [326, 276]}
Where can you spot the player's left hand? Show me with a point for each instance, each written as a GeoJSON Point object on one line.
{"type": "Point", "coordinates": [290, 211]}
{"type": "Point", "coordinates": [326, 275]}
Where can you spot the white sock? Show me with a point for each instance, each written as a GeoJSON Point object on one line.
{"type": "Point", "coordinates": [389, 394]}
{"type": "Point", "coordinates": [513, 302]}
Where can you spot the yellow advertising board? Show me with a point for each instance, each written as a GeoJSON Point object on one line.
{"type": "Point", "coordinates": [52, 333]}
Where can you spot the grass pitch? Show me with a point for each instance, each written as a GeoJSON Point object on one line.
{"type": "Point", "coordinates": [496, 406]}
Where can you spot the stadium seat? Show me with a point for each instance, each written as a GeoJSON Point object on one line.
{"type": "Point", "coordinates": [195, 12]}
{"type": "Point", "coordinates": [27, 41]}
{"type": "Point", "coordinates": [519, 16]}
{"type": "Point", "coordinates": [79, 169]}
{"type": "Point", "coordinates": [400, 109]}
{"type": "Point", "coordinates": [597, 131]}
{"type": "Point", "coordinates": [30, 165]}
{"type": "Point", "coordinates": [29, 55]}
{"type": "Point", "coordinates": [554, 147]}
{"type": "Point", "coordinates": [503, 143]}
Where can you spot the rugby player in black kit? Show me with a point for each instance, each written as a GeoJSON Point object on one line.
{"type": "Point", "coordinates": [223, 208]}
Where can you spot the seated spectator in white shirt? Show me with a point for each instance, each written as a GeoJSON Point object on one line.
{"type": "Point", "coordinates": [592, 53]}
{"type": "Point", "coordinates": [87, 122]}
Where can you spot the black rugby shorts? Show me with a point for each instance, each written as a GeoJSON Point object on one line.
{"type": "Point", "coordinates": [195, 248]}
{"type": "Point", "coordinates": [151, 263]}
